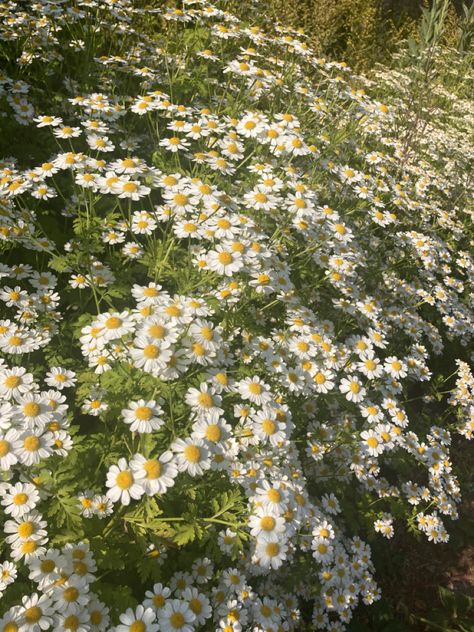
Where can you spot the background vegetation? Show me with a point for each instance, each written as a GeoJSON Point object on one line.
{"type": "Point", "coordinates": [361, 32]}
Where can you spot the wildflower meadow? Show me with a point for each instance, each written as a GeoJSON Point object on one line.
{"type": "Point", "coordinates": [236, 318]}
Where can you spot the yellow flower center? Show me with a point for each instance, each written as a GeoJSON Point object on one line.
{"type": "Point", "coordinates": [180, 199]}
{"type": "Point", "coordinates": [12, 381]}
{"type": "Point", "coordinates": [159, 601]}
{"type": "Point", "coordinates": [372, 442]}
{"type": "Point", "coordinates": [213, 433]}
{"type": "Point", "coordinates": [173, 310]}
{"type": "Point", "coordinates": [196, 606]}
{"type": "Point", "coordinates": [274, 495]}
{"type": "Point", "coordinates": [25, 529]}
{"type": "Point", "coordinates": [151, 351]}
{"type": "Point", "coordinates": [205, 400]}
{"type": "Point", "coordinates": [177, 620]}
{"type": "Point", "coordinates": [28, 547]}
{"type": "Point", "coordinates": [71, 594]}
{"type": "Point", "coordinates": [143, 413]}
{"type": "Point", "coordinates": [152, 468]}
{"type": "Point", "coordinates": [267, 523]}
{"type": "Point", "coordinates": [130, 187]}
{"type": "Point", "coordinates": [31, 443]}
{"type": "Point", "coordinates": [114, 322]}
{"type": "Point", "coordinates": [207, 333]}
{"type": "Point", "coordinates": [268, 426]}
{"type": "Point", "coordinates": [20, 499]}
{"type": "Point", "coordinates": [192, 453]}
{"type": "Point", "coordinates": [31, 409]}
{"type": "Point", "coordinates": [225, 258]}
{"type": "Point", "coordinates": [33, 614]}
{"type": "Point", "coordinates": [124, 479]}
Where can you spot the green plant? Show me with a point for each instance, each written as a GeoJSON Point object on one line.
{"type": "Point", "coordinates": [455, 615]}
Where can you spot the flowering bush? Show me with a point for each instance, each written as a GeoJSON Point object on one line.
{"type": "Point", "coordinates": [228, 281]}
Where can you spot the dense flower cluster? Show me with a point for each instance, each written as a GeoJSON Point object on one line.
{"type": "Point", "coordinates": [253, 281]}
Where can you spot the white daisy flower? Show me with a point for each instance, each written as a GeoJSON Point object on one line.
{"type": "Point", "coordinates": [192, 456]}
{"type": "Point", "coordinates": [60, 378]}
{"type": "Point", "coordinates": [19, 499]}
{"type": "Point", "coordinates": [140, 620]}
{"type": "Point", "coordinates": [176, 615]}
{"type": "Point", "coordinates": [156, 475]}
{"type": "Point", "coordinates": [123, 483]}
{"type": "Point", "coordinates": [143, 416]}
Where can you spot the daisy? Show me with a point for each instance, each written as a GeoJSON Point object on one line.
{"type": "Point", "coordinates": [192, 456]}
{"type": "Point", "coordinates": [36, 613]}
{"type": "Point", "coordinates": [15, 382]}
{"type": "Point", "coordinates": [323, 550]}
{"type": "Point", "coordinates": [123, 483]}
{"type": "Point", "coordinates": [224, 261]}
{"type": "Point", "coordinates": [211, 430]}
{"type": "Point", "coordinates": [179, 581]}
{"type": "Point", "coordinates": [8, 574]}
{"type": "Point", "coordinates": [143, 416]}
{"type": "Point", "coordinates": [94, 405]}
{"type": "Point", "coordinates": [150, 355]}
{"type": "Point", "coordinates": [261, 199]}
{"type": "Point", "coordinates": [330, 504]}
{"type": "Point", "coordinates": [67, 132]}
{"type": "Point", "coordinates": [98, 616]}
{"type": "Point", "coordinates": [45, 569]}
{"type": "Point", "coordinates": [30, 526]}
{"type": "Point", "coordinates": [199, 605]}
{"type": "Point", "coordinates": [100, 143]}
{"type": "Point", "coordinates": [323, 381]}
{"type": "Point", "coordinates": [199, 353]}
{"type": "Point", "coordinates": [372, 412]}
{"type": "Point", "coordinates": [271, 553]}
{"type": "Point", "coordinates": [10, 443]}
{"type": "Point", "coordinates": [114, 325]}
{"type": "Point", "coordinates": [202, 570]}
{"type": "Point", "coordinates": [267, 427]}
{"type": "Point", "coordinates": [370, 366]}
{"type": "Point", "coordinates": [157, 597]}
{"type": "Point", "coordinates": [373, 443]}
{"type": "Point", "coordinates": [102, 506]}
{"type": "Point", "coordinates": [60, 378]}
{"type": "Point", "coordinates": [71, 596]}
{"type": "Point", "coordinates": [155, 475]}
{"type": "Point", "coordinates": [131, 189]}
{"type": "Point", "coordinates": [352, 388]}
{"type": "Point", "coordinates": [77, 622]}
{"type": "Point", "coordinates": [47, 121]}
{"type": "Point", "coordinates": [395, 367]}
{"type": "Point", "coordinates": [19, 499]}
{"type": "Point", "coordinates": [174, 143]}
{"type": "Point", "coordinates": [272, 496]}
{"type": "Point", "coordinates": [142, 223]}
{"type": "Point", "coordinates": [204, 401]}
{"type": "Point", "coordinates": [176, 615]}
{"type": "Point", "coordinates": [139, 620]}
{"type": "Point", "coordinates": [266, 524]}
{"type": "Point", "coordinates": [254, 389]}
{"type": "Point", "coordinates": [86, 503]}
{"type": "Point", "coordinates": [34, 446]}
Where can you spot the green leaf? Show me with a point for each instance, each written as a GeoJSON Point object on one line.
{"type": "Point", "coordinates": [184, 534]}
